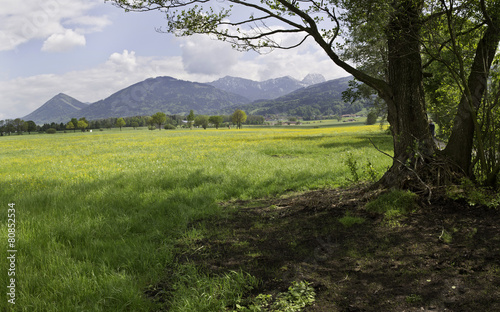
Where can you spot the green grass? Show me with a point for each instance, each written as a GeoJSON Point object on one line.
{"type": "Point", "coordinates": [349, 220]}
{"type": "Point", "coordinates": [394, 205]}
{"type": "Point", "coordinates": [98, 214]}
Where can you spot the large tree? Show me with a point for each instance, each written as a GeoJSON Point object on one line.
{"type": "Point", "coordinates": [31, 126]}
{"type": "Point", "coordinates": [82, 124]}
{"type": "Point", "coordinates": [159, 119]}
{"type": "Point", "coordinates": [190, 118]}
{"type": "Point", "coordinates": [120, 122]}
{"type": "Point", "coordinates": [392, 31]}
{"type": "Point", "coordinates": [20, 125]}
{"type": "Point", "coordinates": [201, 121]}
{"type": "Point", "coordinates": [238, 117]}
{"type": "Point", "coordinates": [216, 121]}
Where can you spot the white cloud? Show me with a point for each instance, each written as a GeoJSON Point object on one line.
{"type": "Point", "coordinates": [63, 42]}
{"type": "Point", "coordinates": [26, 20]}
{"type": "Point", "coordinates": [123, 62]}
{"type": "Point", "coordinates": [89, 24]}
{"type": "Point", "coordinates": [202, 55]}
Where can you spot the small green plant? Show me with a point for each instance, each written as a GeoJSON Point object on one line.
{"type": "Point", "coordinates": [413, 299]}
{"type": "Point", "coordinates": [472, 233]}
{"type": "Point", "coordinates": [447, 236]}
{"type": "Point", "coordinates": [299, 295]}
{"type": "Point", "coordinates": [348, 220]}
{"type": "Point", "coordinates": [352, 164]}
{"type": "Point", "coordinates": [370, 171]}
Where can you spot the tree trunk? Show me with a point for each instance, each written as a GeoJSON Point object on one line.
{"type": "Point", "coordinates": [413, 143]}
{"type": "Point", "coordinates": [460, 144]}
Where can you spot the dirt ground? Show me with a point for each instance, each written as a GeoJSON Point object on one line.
{"type": "Point", "coordinates": [441, 257]}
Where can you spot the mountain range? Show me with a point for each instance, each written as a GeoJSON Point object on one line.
{"type": "Point", "coordinates": [173, 96]}
{"type": "Point", "coordinates": [265, 90]}
{"type": "Point", "coordinates": [318, 99]}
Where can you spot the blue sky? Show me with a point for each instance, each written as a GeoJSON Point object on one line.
{"type": "Point", "coordinates": [90, 49]}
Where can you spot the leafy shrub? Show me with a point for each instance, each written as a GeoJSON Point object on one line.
{"type": "Point", "coordinates": [473, 194]}
{"type": "Point", "coordinates": [299, 295]}
{"type": "Point", "coordinates": [352, 164]}
{"type": "Point", "coordinates": [51, 131]}
{"type": "Point", "coordinates": [169, 127]}
{"type": "Point", "coordinates": [368, 172]}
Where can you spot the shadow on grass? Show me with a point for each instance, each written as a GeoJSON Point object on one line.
{"type": "Point", "coordinates": [381, 140]}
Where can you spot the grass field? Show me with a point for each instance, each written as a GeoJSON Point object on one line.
{"type": "Point", "coordinates": [97, 215]}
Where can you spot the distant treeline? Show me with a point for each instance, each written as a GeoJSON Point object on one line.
{"type": "Point", "coordinates": [19, 126]}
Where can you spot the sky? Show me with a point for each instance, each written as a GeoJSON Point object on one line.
{"type": "Point", "coordinates": [89, 49]}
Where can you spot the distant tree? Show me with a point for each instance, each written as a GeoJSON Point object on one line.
{"type": "Point", "coordinates": [30, 126]}
{"type": "Point", "coordinates": [201, 121]}
{"type": "Point", "coordinates": [255, 120]}
{"type": "Point", "coordinates": [82, 124]}
{"type": "Point", "coordinates": [75, 123]}
{"type": "Point", "coordinates": [9, 126]}
{"type": "Point", "coordinates": [190, 118]}
{"type": "Point", "coordinates": [371, 118]}
{"type": "Point", "coordinates": [19, 125]}
{"type": "Point", "coordinates": [216, 121]}
{"type": "Point", "coordinates": [239, 117]}
{"type": "Point", "coordinates": [70, 126]}
{"type": "Point", "coordinates": [134, 124]}
{"type": "Point", "coordinates": [159, 119]}
{"type": "Point", "coordinates": [107, 124]}
{"type": "Point", "coordinates": [120, 123]}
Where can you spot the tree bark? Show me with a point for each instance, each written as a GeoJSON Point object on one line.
{"type": "Point", "coordinates": [413, 143]}
{"type": "Point", "coordinates": [460, 144]}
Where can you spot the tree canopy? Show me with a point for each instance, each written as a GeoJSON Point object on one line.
{"type": "Point", "coordinates": [120, 122]}
{"type": "Point", "coordinates": [238, 117]}
{"type": "Point", "coordinates": [159, 119]}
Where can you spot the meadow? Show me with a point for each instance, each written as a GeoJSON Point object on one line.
{"type": "Point", "coordinates": [98, 215]}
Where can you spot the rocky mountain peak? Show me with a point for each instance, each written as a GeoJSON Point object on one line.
{"type": "Point", "coordinates": [312, 79]}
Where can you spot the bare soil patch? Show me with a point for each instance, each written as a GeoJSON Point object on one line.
{"type": "Point", "coordinates": [441, 257]}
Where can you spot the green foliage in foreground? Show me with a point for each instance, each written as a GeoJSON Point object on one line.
{"type": "Point", "coordinates": [473, 194]}
{"type": "Point", "coordinates": [299, 295]}
{"type": "Point", "coordinates": [98, 214]}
